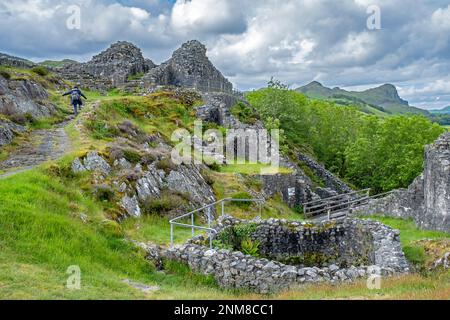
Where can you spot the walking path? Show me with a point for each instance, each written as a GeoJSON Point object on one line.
{"type": "Point", "coordinates": [43, 145]}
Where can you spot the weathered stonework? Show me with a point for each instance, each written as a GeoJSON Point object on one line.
{"type": "Point", "coordinates": [330, 180]}
{"type": "Point", "coordinates": [110, 68]}
{"type": "Point", "coordinates": [427, 200]}
{"type": "Point", "coordinates": [236, 270]}
{"type": "Point", "coordinates": [189, 67]}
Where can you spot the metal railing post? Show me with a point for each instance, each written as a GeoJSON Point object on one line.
{"type": "Point", "coordinates": [171, 234]}
{"type": "Point", "coordinates": [193, 226]}
{"type": "Point", "coordinates": [223, 208]}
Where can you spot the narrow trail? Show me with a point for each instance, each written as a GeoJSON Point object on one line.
{"type": "Point", "coordinates": [42, 145]}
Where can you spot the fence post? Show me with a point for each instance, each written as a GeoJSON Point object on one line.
{"type": "Point", "coordinates": [223, 207]}
{"type": "Point", "coordinates": [209, 216]}
{"type": "Point", "coordinates": [260, 208]}
{"type": "Point", "coordinates": [171, 235]}
{"type": "Point", "coordinates": [192, 223]}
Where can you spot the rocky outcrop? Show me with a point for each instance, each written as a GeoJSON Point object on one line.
{"type": "Point", "coordinates": [92, 162]}
{"type": "Point", "coordinates": [381, 246]}
{"type": "Point", "coordinates": [24, 97]}
{"type": "Point", "coordinates": [137, 185]}
{"type": "Point", "coordinates": [427, 200]}
{"type": "Point", "coordinates": [8, 130]}
{"type": "Point", "coordinates": [15, 62]}
{"type": "Point", "coordinates": [110, 68]}
{"type": "Point", "coordinates": [189, 67]}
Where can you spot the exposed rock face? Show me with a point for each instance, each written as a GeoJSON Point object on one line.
{"type": "Point", "coordinates": [92, 162]}
{"type": "Point", "coordinates": [24, 97]}
{"type": "Point", "coordinates": [427, 200]}
{"type": "Point", "coordinates": [8, 130]}
{"type": "Point", "coordinates": [148, 182]}
{"type": "Point", "coordinates": [109, 68]}
{"type": "Point", "coordinates": [10, 61]}
{"type": "Point", "coordinates": [236, 270]}
{"type": "Point", "coordinates": [189, 67]}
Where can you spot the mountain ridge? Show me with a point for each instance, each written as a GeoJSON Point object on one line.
{"type": "Point", "coordinates": [385, 97]}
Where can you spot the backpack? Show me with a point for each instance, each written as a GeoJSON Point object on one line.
{"type": "Point", "coordinates": [75, 95]}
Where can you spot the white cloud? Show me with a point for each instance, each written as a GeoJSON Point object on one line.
{"type": "Point", "coordinates": [207, 16]}
{"type": "Point", "coordinates": [249, 41]}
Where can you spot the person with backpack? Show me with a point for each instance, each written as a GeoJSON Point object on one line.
{"type": "Point", "coordinates": [75, 97]}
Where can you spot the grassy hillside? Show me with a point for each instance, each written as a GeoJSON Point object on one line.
{"type": "Point", "coordinates": [51, 219]}
{"type": "Point", "coordinates": [45, 235]}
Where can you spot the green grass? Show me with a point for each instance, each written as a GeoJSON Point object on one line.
{"type": "Point", "coordinates": [254, 168]}
{"type": "Point", "coordinates": [43, 236]}
{"type": "Point", "coordinates": [408, 230]}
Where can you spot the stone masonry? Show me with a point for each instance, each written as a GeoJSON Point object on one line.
{"type": "Point", "coordinates": [236, 270]}
{"type": "Point", "coordinates": [427, 200]}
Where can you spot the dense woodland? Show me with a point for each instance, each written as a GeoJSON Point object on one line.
{"type": "Point", "coordinates": [366, 150]}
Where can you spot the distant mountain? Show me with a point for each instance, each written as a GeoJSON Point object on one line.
{"type": "Point", "coordinates": [446, 110]}
{"type": "Point", "coordinates": [383, 99]}
{"type": "Point", "coordinates": [56, 64]}
{"type": "Point", "coordinates": [11, 61]}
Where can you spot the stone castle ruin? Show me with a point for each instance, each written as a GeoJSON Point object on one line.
{"type": "Point", "coordinates": [427, 200]}
{"type": "Point", "coordinates": [189, 67]}
{"type": "Point", "coordinates": [292, 254]}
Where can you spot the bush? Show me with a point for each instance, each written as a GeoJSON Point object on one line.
{"type": "Point", "coordinates": [104, 193]}
{"type": "Point", "coordinates": [250, 247]}
{"type": "Point", "coordinates": [132, 155]}
{"type": "Point", "coordinates": [244, 113]}
{"type": "Point", "coordinates": [165, 164]}
{"type": "Point", "coordinates": [42, 71]}
{"type": "Point", "coordinates": [168, 202]}
{"type": "Point", "coordinates": [5, 74]}
{"type": "Point", "coordinates": [207, 176]}
{"type": "Point", "coordinates": [242, 204]}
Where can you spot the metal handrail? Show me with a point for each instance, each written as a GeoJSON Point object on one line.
{"type": "Point", "coordinates": [347, 204]}
{"type": "Point", "coordinates": [194, 227]}
{"type": "Point", "coordinates": [337, 196]}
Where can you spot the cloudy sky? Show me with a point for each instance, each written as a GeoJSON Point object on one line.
{"type": "Point", "coordinates": [296, 41]}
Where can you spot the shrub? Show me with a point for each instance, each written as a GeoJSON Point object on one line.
{"type": "Point", "coordinates": [104, 193]}
{"type": "Point", "coordinates": [131, 155]}
{"type": "Point", "coordinates": [242, 204]}
{"type": "Point", "coordinates": [42, 71]}
{"type": "Point", "coordinates": [5, 74]}
{"type": "Point", "coordinates": [165, 164]}
{"type": "Point", "coordinates": [250, 247]}
{"type": "Point", "coordinates": [207, 176]}
{"type": "Point", "coordinates": [168, 202]}
{"type": "Point", "coordinates": [244, 113]}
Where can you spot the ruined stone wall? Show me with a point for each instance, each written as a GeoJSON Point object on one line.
{"type": "Point", "coordinates": [236, 270]}
{"type": "Point", "coordinates": [330, 180]}
{"type": "Point", "coordinates": [427, 200]}
{"type": "Point", "coordinates": [189, 67]}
